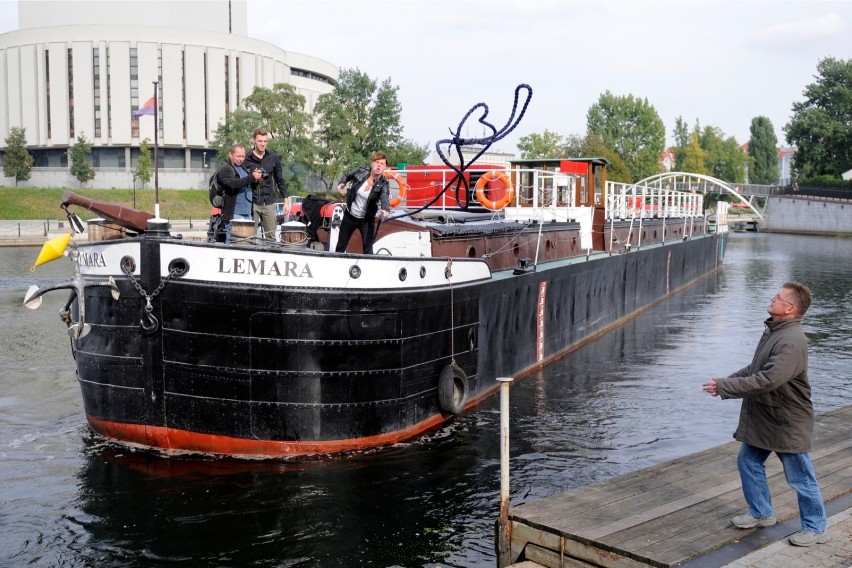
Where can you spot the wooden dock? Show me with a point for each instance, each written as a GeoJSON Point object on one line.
{"type": "Point", "coordinates": [671, 513]}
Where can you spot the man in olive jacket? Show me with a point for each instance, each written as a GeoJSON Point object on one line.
{"type": "Point", "coordinates": [777, 416]}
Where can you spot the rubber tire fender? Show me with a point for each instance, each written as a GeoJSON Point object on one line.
{"type": "Point", "coordinates": [452, 389]}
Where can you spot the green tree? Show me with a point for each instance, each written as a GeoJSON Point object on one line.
{"type": "Point", "coordinates": [384, 121]}
{"type": "Point", "coordinates": [360, 117]}
{"type": "Point", "coordinates": [763, 149]}
{"type": "Point", "coordinates": [144, 166]}
{"type": "Point", "coordinates": [681, 138]}
{"type": "Point", "coordinates": [237, 127]}
{"type": "Point", "coordinates": [548, 144]}
{"type": "Point", "coordinates": [821, 127]}
{"type": "Point", "coordinates": [17, 161]}
{"type": "Point", "coordinates": [724, 159]}
{"type": "Point", "coordinates": [632, 128]}
{"type": "Point", "coordinates": [281, 112]}
{"type": "Point", "coordinates": [552, 145]}
{"type": "Point", "coordinates": [333, 140]}
{"type": "Point", "coordinates": [694, 156]}
{"type": "Point", "coordinates": [594, 147]}
{"type": "Point", "coordinates": [574, 145]}
{"type": "Point", "coordinates": [407, 152]}
{"type": "Point", "coordinates": [81, 153]}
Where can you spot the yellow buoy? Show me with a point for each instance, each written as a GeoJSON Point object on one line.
{"type": "Point", "coordinates": [52, 249]}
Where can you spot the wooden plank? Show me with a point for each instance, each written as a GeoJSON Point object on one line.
{"type": "Point", "coordinates": [562, 547]}
{"type": "Point", "coordinates": [672, 512]}
{"type": "Point", "coordinates": [552, 559]}
{"type": "Point", "coordinates": [606, 494]}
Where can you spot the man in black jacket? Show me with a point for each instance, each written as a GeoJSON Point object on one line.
{"type": "Point", "coordinates": [236, 182]}
{"type": "Point", "coordinates": [269, 167]}
{"type": "Point", "coordinates": [367, 196]}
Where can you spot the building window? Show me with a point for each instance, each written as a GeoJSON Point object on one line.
{"type": "Point", "coordinates": [173, 158]}
{"type": "Point", "coordinates": [202, 159]}
{"type": "Point", "coordinates": [313, 76]}
{"type": "Point", "coordinates": [206, 108]}
{"type": "Point", "coordinates": [47, 88]}
{"type": "Point", "coordinates": [168, 158]}
{"type": "Point", "coordinates": [183, 99]}
{"type": "Point", "coordinates": [134, 92]}
{"type": "Point", "coordinates": [160, 91]}
{"type": "Point", "coordinates": [227, 91]}
{"type": "Point", "coordinates": [70, 94]}
{"type": "Point", "coordinates": [108, 96]}
{"type": "Point", "coordinates": [53, 158]}
{"type": "Point", "coordinates": [108, 158]}
{"type": "Point", "coordinates": [96, 67]}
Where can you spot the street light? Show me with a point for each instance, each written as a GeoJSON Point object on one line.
{"type": "Point", "coordinates": [204, 157]}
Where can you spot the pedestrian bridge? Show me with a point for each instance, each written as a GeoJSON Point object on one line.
{"type": "Point", "coordinates": [698, 183]}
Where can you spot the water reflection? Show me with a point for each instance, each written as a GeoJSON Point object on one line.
{"type": "Point", "coordinates": [626, 401]}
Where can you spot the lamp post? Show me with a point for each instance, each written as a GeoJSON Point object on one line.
{"type": "Point", "coordinates": [134, 191]}
{"type": "Point", "coordinates": [204, 159]}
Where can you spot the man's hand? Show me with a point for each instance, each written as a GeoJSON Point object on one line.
{"type": "Point", "coordinates": [710, 387]}
{"type": "Point", "coordinates": [383, 214]}
{"type": "Point", "coordinates": [257, 175]}
{"type": "Point", "coordinates": [340, 188]}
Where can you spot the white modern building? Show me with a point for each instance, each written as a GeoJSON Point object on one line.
{"type": "Point", "coordinates": [84, 68]}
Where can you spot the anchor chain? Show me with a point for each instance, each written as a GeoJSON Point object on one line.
{"type": "Point", "coordinates": [65, 317]}
{"type": "Point", "coordinates": [148, 322]}
{"type": "Point", "coordinates": [448, 274]}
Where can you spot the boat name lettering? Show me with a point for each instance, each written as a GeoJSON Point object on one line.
{"type": "Point", "coordinates": [263, 267]}
{"type": "Point", "coordinates": [91, 259]}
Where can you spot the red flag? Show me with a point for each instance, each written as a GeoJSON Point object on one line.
{"type": "Point", "coordinates": [147, 108]}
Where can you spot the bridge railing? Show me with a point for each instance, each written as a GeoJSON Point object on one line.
{"type": "Point", "coordinates": [819, 192]}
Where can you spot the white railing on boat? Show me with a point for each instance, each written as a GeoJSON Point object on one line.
{"type": "Point", "coordinates": [552, 196]}
{"type": "Point", "coordinates": [629, 201]}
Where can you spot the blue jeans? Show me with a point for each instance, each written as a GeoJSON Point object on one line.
{"type": "Point", "coordinates": [800, 475]}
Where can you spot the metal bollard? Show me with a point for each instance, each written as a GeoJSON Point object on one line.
{"type": "Point", "coordinates": [504, 537]}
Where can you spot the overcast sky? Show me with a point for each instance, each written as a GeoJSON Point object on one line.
{"type": "Point", "coordinates": [721, 62]}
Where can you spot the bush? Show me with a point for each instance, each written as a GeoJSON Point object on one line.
{"type": "Point", "coordinates": [825, 181]}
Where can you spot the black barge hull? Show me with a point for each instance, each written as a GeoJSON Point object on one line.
{"type": "Point", "coordinates": [253, 352]}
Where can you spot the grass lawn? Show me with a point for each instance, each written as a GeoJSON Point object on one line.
{"type": "Point", "coordinates": [24, 203]}
{"type": "Point", "coordinates": [36, 203]}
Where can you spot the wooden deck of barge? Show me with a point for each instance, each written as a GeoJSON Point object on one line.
{"type": "Point", "coordinates": [671, 513]}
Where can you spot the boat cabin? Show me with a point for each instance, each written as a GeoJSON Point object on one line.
{"type": "Point", "coordinates": [554, 182]}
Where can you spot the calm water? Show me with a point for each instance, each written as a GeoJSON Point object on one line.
{"type": "Point", "coordinates": [627, 401]}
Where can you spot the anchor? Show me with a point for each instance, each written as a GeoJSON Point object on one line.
{"type": "Point", "coordinates": [78, 330]}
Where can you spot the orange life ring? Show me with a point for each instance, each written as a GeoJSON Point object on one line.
{"type": "Point", "coordinates": [403, 188]}
{"type": "Point", "coordinates": [502, 178]}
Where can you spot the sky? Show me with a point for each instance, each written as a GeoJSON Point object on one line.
{"type": "Point", "coordinates": [719, 62]}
